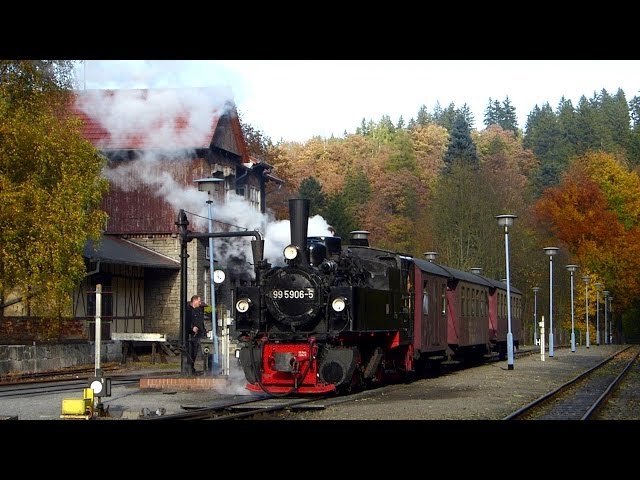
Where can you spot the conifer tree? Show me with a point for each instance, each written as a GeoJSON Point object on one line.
{"type": "Point", "coordinates": [311, 189]}
{"type": "Point", "coordinates": [461, 148]}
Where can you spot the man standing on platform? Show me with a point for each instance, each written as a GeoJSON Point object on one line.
{"type": "Point", "coordinates": [196, 329]}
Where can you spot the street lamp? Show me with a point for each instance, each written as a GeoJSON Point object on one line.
{"type": "Point", "coordinates": [572, 269]}
{"type": "Point", "coordinates": [598, 287]}
{"type": "Point", "coordinates": [535, 315]}
{"type": "Point", "coordinates": [611, 320]}
{"type": "Point", "coordinates": [586, 304]}
{"type": "Point", "coordinates": [506, 221]}
{"type": "Point", "coordinates": [209, 185]}
{"type": "Point", "coordinates": [551, 251]}
{"type": "Point", "coordinates": [606, 294]}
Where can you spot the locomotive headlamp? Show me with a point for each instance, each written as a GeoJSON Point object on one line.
{"type": "Point", "coordinates": [290, 252]}
{"type": "Point", "coordinates": [338, 304]}
{"type": "Point", "coordinates": [243, 304]}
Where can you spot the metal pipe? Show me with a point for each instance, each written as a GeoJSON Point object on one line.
{"type": "Point", "coordinates": [185, 237]}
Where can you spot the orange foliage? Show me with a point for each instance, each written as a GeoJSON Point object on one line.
{"type": "Point", "coordinates": [597, 222]}
{"type": "Point", "coordinates": [576, 212]}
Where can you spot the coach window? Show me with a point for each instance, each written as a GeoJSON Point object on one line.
{"type": "Point", "coordinates": [444, 299]}
{"type": "Point", "coordinates": [474, 309]}
{"type": "Point", "coordinates": [484, 303]}
{"type": "Point", "coordinates": [425, 299]}
{"type": "Point", "coordinates": [464, 301]}
{"type": "Point", "coordinates": [436, 318]}
{"type": "Point", "coordinates": [476, 294]}
{"type": "Point", "coordinates": [504, 306]}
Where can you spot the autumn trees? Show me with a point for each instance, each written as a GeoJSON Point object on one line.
{"type": "Point", "coordinates": [430, 183]}
{"type": "Point", "coordinates": [437, 184]}
{"type": "Point", "coordinates": [51, 186]}
{"type": "Point", "coordinates": [595, 214]}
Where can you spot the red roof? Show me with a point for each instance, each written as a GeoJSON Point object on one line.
{"type": "Point", "coordinates": [150, 119]}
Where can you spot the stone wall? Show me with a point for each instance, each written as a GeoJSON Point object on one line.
{"type": "Point", "coordinates": [162, 287]}
{"type": "Point", "coordinates": [41, 358]}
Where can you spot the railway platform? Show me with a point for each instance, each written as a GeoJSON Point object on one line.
{"type": "Point", "coordinates": [169, 392]}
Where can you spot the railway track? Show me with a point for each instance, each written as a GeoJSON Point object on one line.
{"type": "Point", "coordinates": [48, 376]}
{"type": "Point", "coordinates": [274, 408]}
{"type": "Point", "coordinates": [62, 385]}
{"type": "Point", "coordinates": [241, 407]}
{"type": "Point", "coordinates": [582, 397]}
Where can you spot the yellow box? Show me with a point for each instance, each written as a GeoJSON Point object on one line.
{"type": "Point", "coordinates": [74, 406]}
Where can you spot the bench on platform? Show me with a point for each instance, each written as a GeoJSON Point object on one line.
{"type": "Point", "coordinates": [131, 340]}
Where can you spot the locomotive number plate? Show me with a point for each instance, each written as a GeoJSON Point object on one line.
{"type": "Point", "coordinates": [302, 293]}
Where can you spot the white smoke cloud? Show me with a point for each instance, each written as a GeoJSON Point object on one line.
{"type": "Point", "coordinates": [276, 233]}
{"type": "Point", "coordinates": [162, 123]}
{"type": "Point", "coordinates": [236, 382]}
{"type": "Point", "coordinates": [152, 119]}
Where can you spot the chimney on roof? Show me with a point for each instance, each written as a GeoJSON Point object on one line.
{"type": "Point", "coordinates": [359, 237]}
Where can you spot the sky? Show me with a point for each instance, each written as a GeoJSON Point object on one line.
{"type": "Point", "coordinates": [295, 100]}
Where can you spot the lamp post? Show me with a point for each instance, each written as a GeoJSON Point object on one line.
{"type": "Point", "coordinates": [611, 320]}
{"type": "Point", "coordinates": [598, 287]}
{"type": "Point", "coordinates": [606, 299]}
{"type": "Point", "coordinates": [209, 185]}
{"type": "Point", "coordinates": [506, 221]}
{"type": "Point", "coordinates": [551, 251]}
{"type": "Point", "coordinates": [572, 269]}
{"type": "Point", "coordinates": [586, 304]}
{"type": "Point", "coordinates": [535, 315]}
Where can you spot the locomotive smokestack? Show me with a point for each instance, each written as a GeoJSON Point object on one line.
{"type": "Point", "coordinates": [299, 219]}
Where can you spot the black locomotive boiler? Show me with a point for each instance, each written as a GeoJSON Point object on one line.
{"type": "Point", "coordinates": [339, 317]}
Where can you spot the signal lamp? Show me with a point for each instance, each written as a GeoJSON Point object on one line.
{"type": "Point", "coordinates": [101, 386]}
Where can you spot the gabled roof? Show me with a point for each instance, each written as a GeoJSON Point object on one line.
{"type": "Point", "coordinates": [116, 250]}
{"type": "Point", "coordinates": [255, 163]}
{"type": "Point", "coordinates": [172, 119]}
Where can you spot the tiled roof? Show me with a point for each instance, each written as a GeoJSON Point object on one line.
{"type": "Point", "coordinates": [150, 119]}
{"type": "Point", "coordinates": [112, 249]}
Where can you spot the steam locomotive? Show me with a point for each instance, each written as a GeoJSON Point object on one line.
{"type": "Point", "coordinates": [341, 318]}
